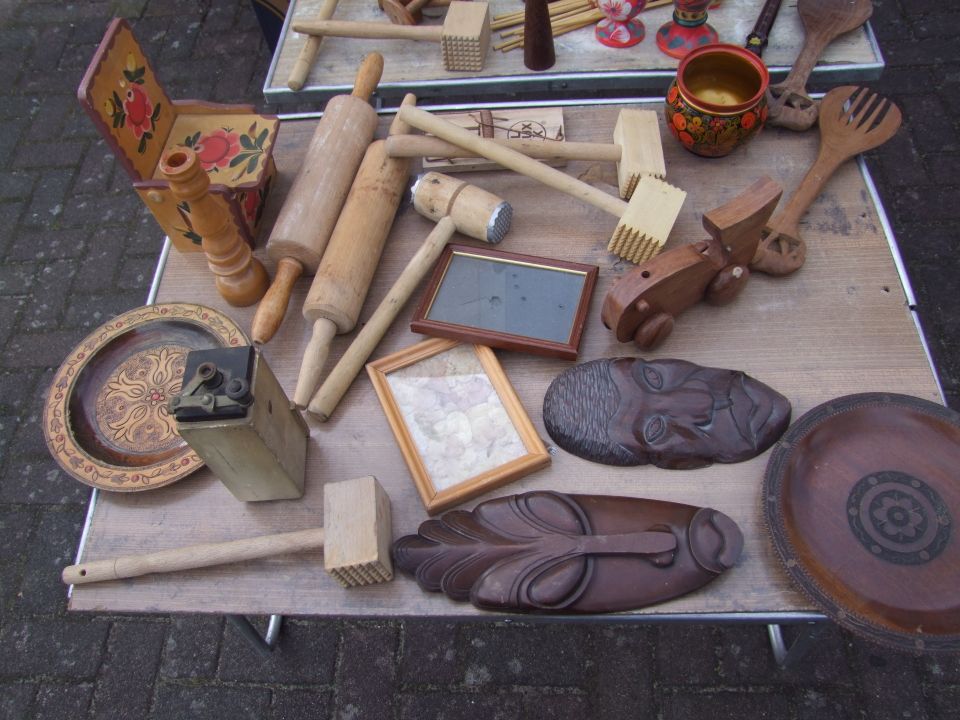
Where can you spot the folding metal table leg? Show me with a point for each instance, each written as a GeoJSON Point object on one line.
{"type": "Point", "coordinates": [788, 657]}
{"type": "Point", "coordinates": [263, 644]}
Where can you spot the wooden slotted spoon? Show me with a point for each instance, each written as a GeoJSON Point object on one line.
{"type": "Point", "coordinates": [868, 121]}
{"type": "Point", "coordinates": [823, 21]}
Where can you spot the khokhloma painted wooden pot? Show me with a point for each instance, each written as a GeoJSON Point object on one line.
{"type": "Point", "coordinates": [718, 101]}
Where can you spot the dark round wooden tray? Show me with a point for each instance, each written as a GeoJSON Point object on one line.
{"type": "Point", "coordinates": [860, 497]}
{"type": "Point", "coordinates": [105, 418]}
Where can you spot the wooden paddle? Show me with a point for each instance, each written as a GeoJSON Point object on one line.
{"type": "Point", "coordinates": [823, 21]}
{"type": "Point", "coordinates": [852, 120]}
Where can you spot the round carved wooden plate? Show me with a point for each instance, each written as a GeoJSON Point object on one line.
{"type": "Point", "coordinates": [105, 418]}
{"type": "Point", "coordinates": [860, 497]}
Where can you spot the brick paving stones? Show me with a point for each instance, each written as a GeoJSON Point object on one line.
{"type": "Point", "coordinates": [77, 247]}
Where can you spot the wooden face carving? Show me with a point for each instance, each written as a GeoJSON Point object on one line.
{"type": "Point", "coordinates": [669, 413]}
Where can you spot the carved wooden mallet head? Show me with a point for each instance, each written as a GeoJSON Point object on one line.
{"type": "Point", "coordinates": [355, 540]}
{"type": "Point", "coordinates": [464, 36]}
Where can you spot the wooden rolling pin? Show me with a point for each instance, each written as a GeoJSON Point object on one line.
{"type": "Point", "coordinates": [456, 207]}
{"type": "Point", "coordinates": [313, 204]}
{"type": "Point", "coordinates": [343, 278]}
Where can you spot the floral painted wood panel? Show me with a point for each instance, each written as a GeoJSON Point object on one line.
{"type": "Point", "coordinates": [122, 95]}
{"type": "Point", "coordinates": [233, 149]}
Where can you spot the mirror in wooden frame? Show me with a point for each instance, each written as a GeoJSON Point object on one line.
{"type": "Point", "coordinates": [507, 300]}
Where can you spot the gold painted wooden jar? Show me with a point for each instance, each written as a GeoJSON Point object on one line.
{"type": "Point", "coordinates": [717, 102]}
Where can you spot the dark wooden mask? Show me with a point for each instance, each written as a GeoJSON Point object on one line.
{"type": "Point", "coordinates": [669, 413]}
{"type": "Point", "coordinates": [551, 552]}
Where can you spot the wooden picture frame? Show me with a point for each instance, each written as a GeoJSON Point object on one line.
{"type": "Point", "coordinates": [457, 419]}
{"type": "Point", "coordinates": [560, 316]}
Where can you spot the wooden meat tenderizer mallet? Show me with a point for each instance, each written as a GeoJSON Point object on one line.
{"type": "Point", "coordinates": [464, 36]}
{"type": "Point", "coordinates": [311, 46]}
{"type": "Point", "coordinates": [240, 278]}
{"type": "Point", "coordinates": [355, 539]}
{"type": "Point", "coordinates": [312, 205]}
{"type": "Point", "coordinates": [455, 206]}
{"type": "Point", "coordinates": [636, 148]}
{"type": "Point", "coordinates": [645, 221]}
{"type": "Point", "coordinates": [340, 286]}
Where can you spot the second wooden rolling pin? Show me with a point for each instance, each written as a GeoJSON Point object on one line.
{"type": "Point", "coordinates": [309, 214]}
{"type": "Point", "coordinates": [343, 278]}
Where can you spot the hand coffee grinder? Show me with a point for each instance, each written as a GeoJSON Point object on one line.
{"type": "Point", "coordinates": [233, 412]}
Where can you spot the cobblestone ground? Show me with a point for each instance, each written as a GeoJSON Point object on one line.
{"type": "Point", "coordinates": [77, 248]}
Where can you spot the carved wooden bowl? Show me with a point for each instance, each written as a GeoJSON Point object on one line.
{"type": "Point", "coordinates": [105, 418]}
{"type": "Point", "coordinates": [861, 496]}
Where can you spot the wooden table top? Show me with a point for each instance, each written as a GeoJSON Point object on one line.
{"type": "Point", "coordinates": [582, 62]}
{"type": "Point", "coordinates": [840, 325]}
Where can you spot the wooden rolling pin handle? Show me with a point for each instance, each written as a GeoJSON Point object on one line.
{"type": "Point", "coordinates": [343, 374]}
{"type": "Point", "coordinates": [314, 358]}
{"type": "Point", "coordinates": [273, 306]}
{"type": "Point", "coordinates": [513, 160]}
{"type": "Point", "coordinates": [368, 75]}
{"type": "Point", "coordinates": [308, 53]}
{"type": "Point", "coordinates": [370, 30]}
{"type": "Point", "coordinates": [194, 556]}
{"type": "Point", "coordinates": [421, 146]}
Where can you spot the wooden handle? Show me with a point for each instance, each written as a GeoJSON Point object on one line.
{"type": "Point", "coordinates": [512, 160]}
{"type": "Point", "coordinates": [787, 221]}
{"type": "Point", "coordinates": [273, 306]}
{"type": "Point", "coordinates": [368, 75]}
{"type": "Point", "coordinates": [341, 377]}
{"type": "Point", "coordinates": [421, 146]}
{"type": "Point", "coordinates": [381, 31]}
{"type": "Point", "coordinates": [194, 556]}
{"type": "Point", "coordinates": [314, 359]}
{"type": "Point", "coordinates": [308, 53]}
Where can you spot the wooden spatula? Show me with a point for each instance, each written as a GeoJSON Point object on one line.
{"type": "Point", "coordinates": [823, 21]}
{"type": "Point", "coordinates": [852, 120]}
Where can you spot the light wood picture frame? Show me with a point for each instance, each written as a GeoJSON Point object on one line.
{"type": "Point", "coordinates": [458, 421]}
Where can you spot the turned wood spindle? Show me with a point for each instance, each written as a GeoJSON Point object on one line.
{"type": "Point", "coordinates": [240, 278]}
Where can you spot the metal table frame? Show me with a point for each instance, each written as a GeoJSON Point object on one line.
{"type": "Point", "coordinates": [786, 654]}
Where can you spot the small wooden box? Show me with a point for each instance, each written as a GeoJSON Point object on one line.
{"type": "Point", "coordinates": [262, 455]}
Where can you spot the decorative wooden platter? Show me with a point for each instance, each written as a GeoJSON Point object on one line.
{"type": "Point", "coordinates": [860, 497]}
{"type": "Point", "coordinates": [105, 418]}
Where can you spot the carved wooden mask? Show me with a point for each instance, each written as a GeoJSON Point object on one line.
{"type": "Point", "coordinates": [669, 413]}
{"type": "Point", "coordinates": [550, 552]}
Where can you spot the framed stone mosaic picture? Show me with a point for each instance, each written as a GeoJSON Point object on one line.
{"type": "Point", "coordinates": [457, 419]}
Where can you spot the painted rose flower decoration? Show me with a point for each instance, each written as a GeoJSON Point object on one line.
{"type": "Point", "coordinates": [217, 149]}
{"type": "Point", "coordinates": [139, 111]}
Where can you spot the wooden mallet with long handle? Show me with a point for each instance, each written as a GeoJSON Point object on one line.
{"type": "Point", "coordinates": [308, 53]}
{"type": "Point", "coordinates": [645, 221]}
{"type": "Point", "coordinates": [464, 36]}
{"type": "Point", "coordinates": [636, 148]}
{"type": "Point", "coordinates": [340, 286]}
{"type": "Point", "coordinates": [355, 539]}
{"type": "Point", "coordinates": [312, 206]}
{"type": "Point", "coordinates": [456, 206]}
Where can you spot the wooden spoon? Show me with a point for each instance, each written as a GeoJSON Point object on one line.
{"type": "Point", "coordinates": [868, 121]}
{"type": "Point", "coordinates": [823, 21]}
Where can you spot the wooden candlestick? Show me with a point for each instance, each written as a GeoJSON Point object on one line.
{"type": "Point", "coordinates": [538, 53]}
{"type": "Point", "coordinates": [240, 277]}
